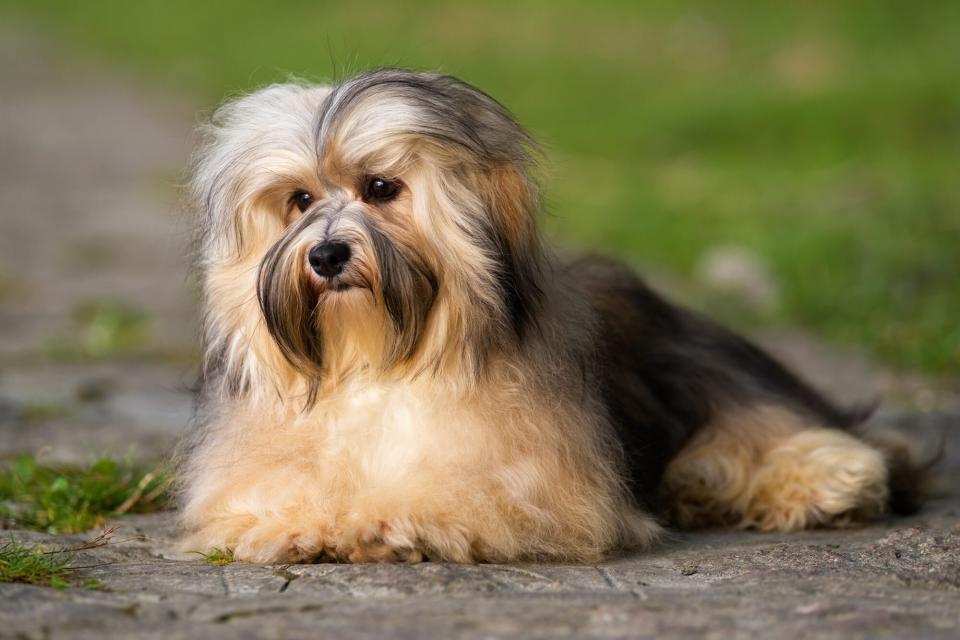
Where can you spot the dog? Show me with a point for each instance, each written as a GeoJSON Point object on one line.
{"type": "Point", "coordinates": [396, 367]}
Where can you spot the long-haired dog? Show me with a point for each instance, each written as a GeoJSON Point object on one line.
{"type": "Point", "coordinates": [396, 367]}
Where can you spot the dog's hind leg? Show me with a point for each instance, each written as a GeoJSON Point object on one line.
{"type": "Point", "coordinates": [768, 468]}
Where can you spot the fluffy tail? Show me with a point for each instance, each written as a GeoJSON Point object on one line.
{"type": "Point", "coordinates": [911, 461]}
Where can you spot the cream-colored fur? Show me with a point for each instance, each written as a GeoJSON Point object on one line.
{"type": "Point", "coordinates": [766, 468]}
{"type": "Point", "coordinates": [395, 471]}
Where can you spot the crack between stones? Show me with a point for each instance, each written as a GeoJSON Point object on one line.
{"type": "Point", "coordinates": [616, 585]}
{"type": "Point", "coordinates": [224, 582]}
{"type": "Point", "coordinates": [250, 613]}
{"type": "Point", "coordinates": [288, 576]}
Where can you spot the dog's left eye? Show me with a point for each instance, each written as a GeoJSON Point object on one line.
{"type": "Point", "coordinates": [377, 189]}
{"type": "Point", "coordinates": [302, 200]}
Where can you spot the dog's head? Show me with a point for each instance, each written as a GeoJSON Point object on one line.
{"type": "Point", "coordinates": [384, 225]}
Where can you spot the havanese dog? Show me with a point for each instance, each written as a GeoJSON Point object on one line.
{"type": "Point", "coordinates": [396, 368]}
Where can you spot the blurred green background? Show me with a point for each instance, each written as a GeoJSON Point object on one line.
{"type": "Point", "coordinates": [823, 138]}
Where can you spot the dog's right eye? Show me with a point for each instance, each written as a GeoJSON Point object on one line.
{"type": "Point", "coordinates": [302, 200]}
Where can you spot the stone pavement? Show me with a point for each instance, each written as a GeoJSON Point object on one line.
{"type": "Point", "coordinates": [892, 580]}
{"type": "Point", "coordinates": [97, 321]}
{"type": "Point", "coordinates": [89, 164]}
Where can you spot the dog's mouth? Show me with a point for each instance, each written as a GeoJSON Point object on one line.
{"type": "Point", "coordinates": [337, 287]}
{"type": "Point", "coordinates": [333, 285]}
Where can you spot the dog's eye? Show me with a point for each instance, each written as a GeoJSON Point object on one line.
{"type": "Point", "coordinates": [376, 189]}
{"type": "Point", "coordinates": [302, 200]}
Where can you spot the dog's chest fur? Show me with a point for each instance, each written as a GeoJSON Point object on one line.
{"type": "Point", "coordinates": [384, 432]}
{"type": "Point", "coordinates": [373, 437]}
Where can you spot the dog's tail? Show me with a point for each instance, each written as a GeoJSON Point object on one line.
{"type": "Point", "coordinates": [912, 457]}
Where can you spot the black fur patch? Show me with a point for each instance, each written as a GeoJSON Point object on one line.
{"type": "Point", "coordinates": [665, 372]}
{"type": "Point", "coordinates": [289, 302]}
{"type": "Point", "coordinates": [518, 277]}
{"type": "Point", "coordinates": [450, 111]}
{"type": "Point", "coordinates": [408, 288]}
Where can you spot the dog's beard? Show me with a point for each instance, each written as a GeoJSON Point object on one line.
{"type": "Point", "coordinates": [372, 315]}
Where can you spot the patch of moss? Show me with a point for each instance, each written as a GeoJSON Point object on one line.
{"type": "Point", "coordinates": [218, 556]}
{"type": "Point", "coordinates": [42, 411]}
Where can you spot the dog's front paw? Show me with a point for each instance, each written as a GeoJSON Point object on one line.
{"type": "Point", "coordinates": [279, 541]}
{"type": "Point", "coordinates": [378, 540]}
{"type": "Point", "coordinates": [261, 540]}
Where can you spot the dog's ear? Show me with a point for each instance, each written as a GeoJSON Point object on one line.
{"type": "Point", "coordinates": [250, 146]}
{"type": "Point", "coordinates": [513, 202]}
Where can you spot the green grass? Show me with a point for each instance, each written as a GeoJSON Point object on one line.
{"type": "Point", "coordinates": [63, 499]}
{"type": "Point", "coordinates": [33, 564]}
{"type": "Point", "coordinates": [43, 411]}
{"type": "Point", "coordinates": [823, 137]}
{"type": "Point", "coordinates": [103, 329]}
{"type": "Point", "coordinates": [109, 328]}
{"type": "Point", "coordinates": [218, 557]}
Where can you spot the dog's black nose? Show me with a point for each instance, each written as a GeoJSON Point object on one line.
{"type": "Point", "coordinates": [328, 258]}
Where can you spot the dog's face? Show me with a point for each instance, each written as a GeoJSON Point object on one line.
{"type": "Point", "coordinates": [386, 225]}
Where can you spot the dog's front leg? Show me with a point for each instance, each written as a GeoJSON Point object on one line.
{"type": "Point", "coordinates": [264, 510]}
{"type": "Point", "coordinates": [260, 533]}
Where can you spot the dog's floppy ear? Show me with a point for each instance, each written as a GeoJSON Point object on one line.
{"type": "Point", "coordinates": [250, 145]}
{"type": "Point", "coordinates": [513, 203]}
